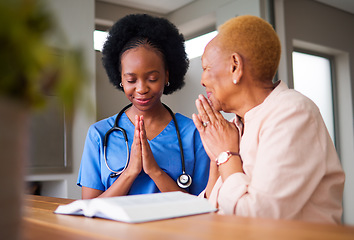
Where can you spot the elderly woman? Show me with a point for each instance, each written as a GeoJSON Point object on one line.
{"type": "Point", "coordinates": [275, 159]}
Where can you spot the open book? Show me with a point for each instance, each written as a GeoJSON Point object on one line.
{"type": "Point", "coordinates": [139, 208]}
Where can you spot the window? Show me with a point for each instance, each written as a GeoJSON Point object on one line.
{"type": "Point", "coordinates": [313, 78]}
{"type": "Point", "coordinates": [99, 37]}
{"type": "Point", "coordinates": [194, 47]}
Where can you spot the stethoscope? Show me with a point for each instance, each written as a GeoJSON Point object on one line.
{"type": "Point", "coordinates": [183, 181]}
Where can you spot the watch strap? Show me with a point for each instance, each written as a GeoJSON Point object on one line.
{"type": "Point", "coordinates": [229, 154]}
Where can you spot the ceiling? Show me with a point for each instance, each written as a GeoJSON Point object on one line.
{"type": "Point", "coordinates": [345, 5]}
{"type": "Point", "coordinates": [168, 6]}
{"type": "Point", "coordinates": [157, 6]}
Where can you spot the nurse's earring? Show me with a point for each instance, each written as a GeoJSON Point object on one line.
{"type": "Point", "coordinates": [121, 84]}
{"type": "Point", "coordinates": [167, 84]}
{"type": "Point", "coordinates": [235, 81]}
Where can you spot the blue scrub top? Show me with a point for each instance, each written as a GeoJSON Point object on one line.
{"type": "Point", "coordinates": [93, 172]}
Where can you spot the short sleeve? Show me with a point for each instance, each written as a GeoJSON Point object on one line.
{"type": "Point", "coordinates": [90, 168]}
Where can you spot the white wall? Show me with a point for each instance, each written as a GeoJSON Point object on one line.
{"type": "Point", "coordinates": [76, 19]}
{"type": "Point", "coordinates": [314, 26]}
{"type": "Point", "coordinates": [109, 99]}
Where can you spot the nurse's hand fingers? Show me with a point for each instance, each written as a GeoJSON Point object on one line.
{"type": "Point", "coordinates": [148, 160]}
{"type": "Point", "coordinates": [143, 138]}
{"type": "Point", "coordinates": [135, 164]}
{"type": "Point", "coordinates": [137, 130]}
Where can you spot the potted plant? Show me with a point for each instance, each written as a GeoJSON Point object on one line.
{"type": "Point", "coordinates": [30, 69]}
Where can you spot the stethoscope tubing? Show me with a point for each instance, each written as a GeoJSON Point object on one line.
{"type": "Point", "coordinates": [116, 173]}
{"type": "Point", "coordinates": [105, 142]}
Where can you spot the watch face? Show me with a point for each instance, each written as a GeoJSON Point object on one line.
{"type": "Point", "coordinates": [222, 157]}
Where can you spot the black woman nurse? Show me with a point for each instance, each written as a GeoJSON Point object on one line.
{"type": "Point", "coordinates": [146, 148]}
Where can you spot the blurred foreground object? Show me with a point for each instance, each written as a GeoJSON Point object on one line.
{"type": "Point", "coordinates": [30, 69]}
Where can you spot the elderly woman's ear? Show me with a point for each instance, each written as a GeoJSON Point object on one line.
{"type": "Point", "coordinates": [237, 67]}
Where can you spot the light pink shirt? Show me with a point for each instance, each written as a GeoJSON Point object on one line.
{"type": "Point", "coordinates": [291, 168]}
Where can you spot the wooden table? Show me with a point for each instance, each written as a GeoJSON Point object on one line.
{"type": "Point", "coordinates": [41, 223]}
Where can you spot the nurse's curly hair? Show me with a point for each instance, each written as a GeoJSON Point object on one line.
{"type": "Point", "coordinates": [137, 30]}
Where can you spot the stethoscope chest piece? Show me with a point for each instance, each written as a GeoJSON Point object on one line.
{"type": "Point", "coordinates": [184, 180]}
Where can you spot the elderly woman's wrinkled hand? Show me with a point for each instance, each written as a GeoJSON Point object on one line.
{"type": "Point", "coordinates": [217, 134]}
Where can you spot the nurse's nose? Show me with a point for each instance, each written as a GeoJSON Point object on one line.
{"type": "Point", "coordinates": [142, 87]}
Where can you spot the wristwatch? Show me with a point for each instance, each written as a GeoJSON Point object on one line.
{"type": "Point", "coordinates": [225, 156]}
